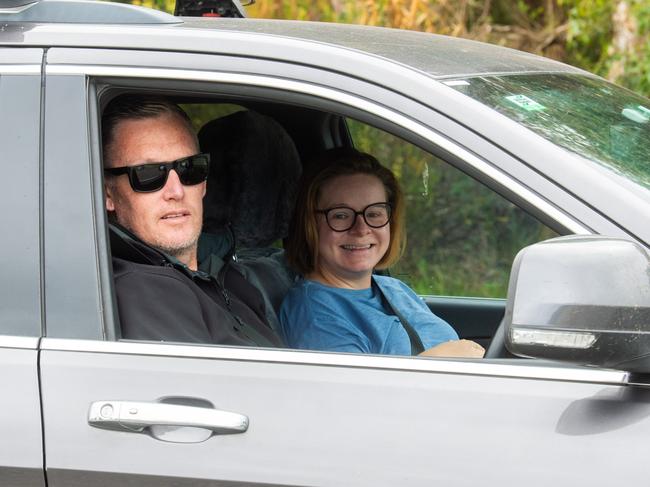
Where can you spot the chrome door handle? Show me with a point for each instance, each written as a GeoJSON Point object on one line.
{"type": "Point", "coordinates": [136, 416]}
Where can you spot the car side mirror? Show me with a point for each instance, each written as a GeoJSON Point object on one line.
{"type": "Point", "coordinates": [581, 299]}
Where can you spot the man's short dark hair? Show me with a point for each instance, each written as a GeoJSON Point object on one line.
{"type": "Point", "coordinates": [137, 107]}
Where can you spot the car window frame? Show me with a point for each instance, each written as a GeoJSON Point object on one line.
{"type": "Point", "coordinates": [576, 228]}
{"type": "Point", "coordinates": [101, 78]}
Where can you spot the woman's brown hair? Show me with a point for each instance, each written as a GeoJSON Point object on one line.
{"type": "Point", "coordinates": [302, 242]}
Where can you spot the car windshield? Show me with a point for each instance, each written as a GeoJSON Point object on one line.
{"type": "Point", "coordinates": [586, 115]}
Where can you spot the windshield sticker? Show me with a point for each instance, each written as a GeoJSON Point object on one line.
{"type": "Point", "coordinates": [457, 82]}
{"type": "Point", "coordinates": [638, 115]}
{"type": "Point", "coordinates": [526, 103]}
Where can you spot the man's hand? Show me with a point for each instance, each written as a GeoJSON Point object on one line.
{"type": "Point", "coordinates": [456, 348]}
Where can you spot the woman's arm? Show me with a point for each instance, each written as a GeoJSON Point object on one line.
{"type": "Point", "coordinates": [456, 348]}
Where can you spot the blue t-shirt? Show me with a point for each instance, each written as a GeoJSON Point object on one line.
{"type": "Point", "coordinates": [319, 317]}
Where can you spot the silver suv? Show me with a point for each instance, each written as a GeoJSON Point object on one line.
{"type": "Point", "coordinates": [558, 150]}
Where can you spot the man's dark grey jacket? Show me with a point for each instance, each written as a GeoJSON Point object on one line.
{"type": "Point", "coordinates": [161, 299]}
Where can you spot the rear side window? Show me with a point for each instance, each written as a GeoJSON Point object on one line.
{"type": "Point", "coordinates": [19, 199]}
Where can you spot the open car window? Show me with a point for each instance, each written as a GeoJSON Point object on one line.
{"type": "Point", "coordinates": [461, 235]}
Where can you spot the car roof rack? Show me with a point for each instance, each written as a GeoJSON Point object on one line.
{"type": "Point", "coordinates": [81, 11]}
{"type": "Point", "coordinates": [211, 8]}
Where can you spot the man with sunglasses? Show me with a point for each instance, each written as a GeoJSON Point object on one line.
{"type": "Point", "coordinates": [172, 283]}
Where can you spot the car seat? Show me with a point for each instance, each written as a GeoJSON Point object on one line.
{"type": "Point", "coordinates": [252, 185]}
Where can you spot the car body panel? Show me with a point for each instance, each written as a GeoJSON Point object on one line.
{"type": "Point", "coordinates": [427, 53]}
{"type": "Point", "coordinates": [72, 283]}
{"type": "Point", "coordinates": [21, 449]}
{"type": "Point", "coordinates": [422, 51]}
{"type": "Point", "coordinates": [20, 89]}
{"type": "Point", "coordinates": [323, 424]}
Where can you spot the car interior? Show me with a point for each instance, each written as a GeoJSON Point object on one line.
{"type": "Point", "coordinates": [258, 150]}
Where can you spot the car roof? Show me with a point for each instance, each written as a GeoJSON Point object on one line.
{"type": "Point", "coordinates": [61, 23]}
{"type": "Point", "coordinates": [430, 53]}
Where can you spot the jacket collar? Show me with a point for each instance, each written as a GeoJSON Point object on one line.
{"type": "Point", "coordinates": [214, 249]}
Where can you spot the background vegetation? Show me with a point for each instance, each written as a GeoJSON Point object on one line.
{"type": "Point", "coordinates": [462, 237]}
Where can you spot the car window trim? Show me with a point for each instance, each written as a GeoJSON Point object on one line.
{"type": "Point", "coordinates": [11, 341]}
{"type": "Point", "coordinates": [332, 95]}
{"type": "Point", "coordinates": [477, 367]}
{"type": "Point", "coordinates": [20, 69]}
{"type": "Point", "coordinates": [102, 247]}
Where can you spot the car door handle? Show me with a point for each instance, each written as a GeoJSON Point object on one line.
{"type": "Point", "coordinates": [136, 416]}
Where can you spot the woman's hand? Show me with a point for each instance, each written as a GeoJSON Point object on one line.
{"type": "Point", "coordinates": [456, 348]}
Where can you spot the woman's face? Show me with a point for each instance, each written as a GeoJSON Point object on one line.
{"type": "Point", "coordinates": [346, 259]}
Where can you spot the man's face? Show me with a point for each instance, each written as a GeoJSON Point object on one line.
{"type": "Point", "coordinates": [169, 219]}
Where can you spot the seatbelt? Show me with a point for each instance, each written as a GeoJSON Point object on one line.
{"type": "Point", "coordinates": [416, 343]}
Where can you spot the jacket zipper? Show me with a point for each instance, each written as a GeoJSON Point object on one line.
{"type": "Point", "coordinates": [220, 283]}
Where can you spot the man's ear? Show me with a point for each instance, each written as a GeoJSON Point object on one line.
{"type": "Point", "coordinates": [110, 203]}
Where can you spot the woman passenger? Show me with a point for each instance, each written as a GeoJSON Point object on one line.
{"type": "Point", "coordinates": [349, 221]}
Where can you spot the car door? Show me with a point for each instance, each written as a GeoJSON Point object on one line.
{"type": "Point", "coordinates": [21, 448]}
{"type": "Point", "coordinates": [119, 412]}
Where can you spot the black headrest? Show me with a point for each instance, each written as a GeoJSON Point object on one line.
{"type": "Point", "coordinates": [253, 179]}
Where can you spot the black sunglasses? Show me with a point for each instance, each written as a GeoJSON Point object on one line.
{"type": "Point", "coordinates": [146, 178]}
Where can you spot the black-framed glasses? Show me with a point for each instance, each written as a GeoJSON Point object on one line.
{"type": "Point", "coordinates": [342, 218]}
{"type": "Point", "coordinates": [146, 178]}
